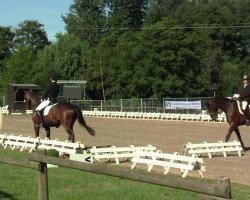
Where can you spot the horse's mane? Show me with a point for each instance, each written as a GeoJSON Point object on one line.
{"type": "Point", "coordinates": [224, 99]}
{"type": "Point", "coordinates": [220, 102]}
{"type": "Point", "coordinates": [33, 95]}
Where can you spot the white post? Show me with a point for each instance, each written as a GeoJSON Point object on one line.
{"type": "Point", "coordinates": [1, 118]}
{"type": "Point", "coordinates": [141, 106]}
{"type": "Point", "coordinates": [121, 105]}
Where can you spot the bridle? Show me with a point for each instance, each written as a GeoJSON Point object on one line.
{"type": "Point", "coordinates": [27, 101]}
{"type": "Point", "coordinates": [212, 112]}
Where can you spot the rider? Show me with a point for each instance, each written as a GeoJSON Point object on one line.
{"type": "Point", "coordinates": [50, 97]}
{"type": "Point", "coordinates": [244, 96]}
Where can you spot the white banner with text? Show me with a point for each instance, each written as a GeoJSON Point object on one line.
{"type": "Point", "coordinates": [183, 104]}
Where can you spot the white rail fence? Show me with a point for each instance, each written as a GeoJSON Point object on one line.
{"type": "Point", "coordinates": [117, 153]}
{"type": "Point", "coordinates": [211, 149]}
{"type": "Point", "coordinates": [168, 161]}
{"type": "Point", "coordinates": [61, 146]}
{"type": "Point", "coordinates": [5, 110]}
{"type": "Point", "coordinates": [148, 155]}
{"type": "Point", "coordinates": [203, 117]}
{"type": "Point", "coordinates": [155, 116]}
{"type": "Point", "coordinates": [143, 155]}
{"type": "Point", "coordinates": [32, 144]}
{"type": "Point", "coordinates": [24, 143]}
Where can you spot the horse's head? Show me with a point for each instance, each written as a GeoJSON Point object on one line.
{"type": "Point", "coordinates": [213, 108]}
{"type": "Point", "coordinates": [27, 99]}
{"type": "Point", "coordinates": [31, 99]}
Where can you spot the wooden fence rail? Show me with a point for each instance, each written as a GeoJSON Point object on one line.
{"type": "Point", "coordinates": [217, 188]}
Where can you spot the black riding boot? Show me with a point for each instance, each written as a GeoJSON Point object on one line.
{"type": "Point", "coordinates": [40, 118]}
{"type": "Point", "coordinates": [246, 113]}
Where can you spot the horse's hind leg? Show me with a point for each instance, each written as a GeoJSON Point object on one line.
{"type": "Point", "coordinates": [70, 131]}
{"type": "Point", "coordinates": [47, 129]}
{"type": "Point", "coordinates": [239, 137]}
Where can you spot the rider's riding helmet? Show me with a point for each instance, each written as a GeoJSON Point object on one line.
{"type": "Point", "coordinates": [54, 77]}
{"type": "Point", "coordinates": [246, 77]}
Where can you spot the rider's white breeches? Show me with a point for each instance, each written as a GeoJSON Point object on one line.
{"type": "Point", "coordinates": [244, 105]}
{"type": "Point", "coordinates": [42, 105]}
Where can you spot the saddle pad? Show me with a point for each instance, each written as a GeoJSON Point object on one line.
{"type": "Point", "coordinates": [47, 109]}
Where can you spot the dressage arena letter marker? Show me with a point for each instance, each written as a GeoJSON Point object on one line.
{"type": "Point", "coordinates": [85, 157]}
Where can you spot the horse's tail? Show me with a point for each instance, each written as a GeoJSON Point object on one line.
{"type": "Point", "coordinates": [82, 122]}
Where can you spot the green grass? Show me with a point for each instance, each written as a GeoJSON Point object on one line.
{"type": "Point", "coordinates": [21, 183]}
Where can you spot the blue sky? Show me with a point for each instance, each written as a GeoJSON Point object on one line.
{"type": "Point", "coordinates": [46, 12]}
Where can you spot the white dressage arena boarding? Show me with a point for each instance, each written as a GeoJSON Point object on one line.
{"type": "Point", "coordinates": [148, 155]}
{"type": "Point", "coordinates": [32, 144]}
{"type": "Point", "coordinates": [225, 148]}
{"type": "Point", "coordinates": [202, 117]}
{"type": "Point", "coordinates": [167, 161]}
{"type": "Point", "coordinates": [143, 155]}
{"type": "Point", "coordinates": [115, 153]}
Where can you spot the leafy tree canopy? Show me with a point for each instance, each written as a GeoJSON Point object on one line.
{"type": "Point", "coordinates": [30, 34]}
{"type": "Point", "coordinates": [137, 48]}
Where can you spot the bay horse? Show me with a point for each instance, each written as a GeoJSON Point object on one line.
{"type": "Point", "coordinates": [234, 115]}
{"type": "Point", "coordinates": [64, 114]}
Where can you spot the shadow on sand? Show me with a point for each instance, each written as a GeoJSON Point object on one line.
{"type": "Point", "coordinates": [247, 148]}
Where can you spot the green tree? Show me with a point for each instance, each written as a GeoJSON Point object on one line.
{"type": "Point", "coordinates": [180, 48]}
{"type": "Point", "coordinates": [119, 64]}
{"type": "Point", "coordinates": [6, 45]}
{"type": "Point", "coordinates": [86, 19]}
{"type": "Point", "coordinates": [66, 58]}
{"type": "Point", "coordinates": [158, 9]}
{"type": "Point", "coordinates": [126, 14]}
{"type": "Point", "coordinates": [6, 42]}
{"type": "Point", "coordinates": [243, 13]}
{"type": "Point", "coordinates": [18, 68]}
{"type": "Point", "coordinates": [30, 34]}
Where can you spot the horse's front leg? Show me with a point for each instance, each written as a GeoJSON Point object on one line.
{"type": "Point", "coordinates": [239, 138]}
{"type": "Point", "coordinates": [229, 132]}
{"type": "Point", "coordinates": [47, 129]}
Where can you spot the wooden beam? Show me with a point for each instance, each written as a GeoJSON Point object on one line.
{"type": "Point", "coordinates": [219, 188]}
{"type": "Point", "coordinates": [43, 191]}
{"type": "Point", "coordinates": [22, 163]}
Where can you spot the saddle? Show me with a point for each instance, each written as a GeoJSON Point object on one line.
{"type": "Point", "coordinates": [240, 108]}
{"type": "Point", "coordinates": [46, 110]}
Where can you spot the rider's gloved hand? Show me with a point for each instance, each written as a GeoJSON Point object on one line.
{"type": "Point", "coordinates": [237, 96]}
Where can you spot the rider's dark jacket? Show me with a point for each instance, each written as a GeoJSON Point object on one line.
{"type": "Point", "coordinates": [245, 93]}
{"type": "Point", "coordinates": [52, 92]}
